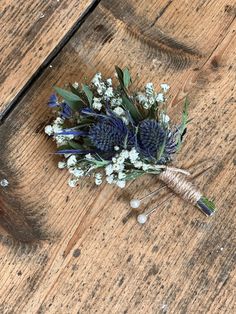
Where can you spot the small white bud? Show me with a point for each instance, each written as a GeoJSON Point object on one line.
{"type": "Point", "coordinates": [61, 165]}
{"type": "Point", "coordinates": [165, 118]}
{"type": "Point", "coordinates": [98, 181]}
{"type": "Point", "coordinates": [165, 87]}
{"type": "Point", "coordinates": [121, 183]}
{"type": "Point", "coordinates": [160, 97]}
{"type": "Point", "coordinates": [75, 85]}
{"type": "Point", "coordinates": [72, 183]}
{"type": "Point", "coordinates": [71, 161]}
{"type": "Point", "coordinates": [48, 130]}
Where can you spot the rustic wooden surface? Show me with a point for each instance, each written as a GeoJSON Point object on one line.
{"type": "Point", "coordinates": [30, 30]}
{"type": "Point", "coordinates": [83, 251]}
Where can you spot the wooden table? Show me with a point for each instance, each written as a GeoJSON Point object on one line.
{"type": "Point", "coordinates": [79, 250]}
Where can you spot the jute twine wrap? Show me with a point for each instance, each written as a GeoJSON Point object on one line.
{"type": "Point", "coordinates": [177, 182]}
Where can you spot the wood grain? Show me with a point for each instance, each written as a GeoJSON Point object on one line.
{"type": "Point", "coordinates": [88, 254]}
{"type": "Point", "coordinates": [30, 30]}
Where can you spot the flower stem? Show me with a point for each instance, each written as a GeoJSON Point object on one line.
{"type": "Point", "coordinates": [206, 206]}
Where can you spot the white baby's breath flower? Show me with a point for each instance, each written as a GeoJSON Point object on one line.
{"type": "Point", "coordinates": [97, 79]}
{"type": "Point", "coordinates": [71, 161]}
{"type": "Point", "coordinates": [149, 86]}
{"type": "Point", "coordinates": [120, 160]}
{"type": "Point", "coordinates": [72, 182]}
{"type": "Point", "coordinates": [125, 120]}
{"type": "Point", "coordinates": [98, 175]}
{"type": "Point", "coordinates": [59, 121]}
{"type": "Point", "coordinates": [145, 167]}
{"type": "Point", "coordinates": [75, 85]}
{"type": "Point", "coordinates": [110, 179]}
{"type": "Point", "coordinates": [119, 111]}
{"type": "Point", "coordinates": [116, 167]}
{"type": "Point", "coordinates": [138, 164]}
{"type": "Point", "coordinates": [146, 105]}
{"type": "Point", "coordinates": [109, 92]}
{"type": "Point", "coordinates": [124, 154]}
{"type": "Point", "coordinates": [151, 100]}
{"type": "Point", "coordinates": [77, 172]}
{"type": "Point", "coordinates": [67, 155]}
{"type": "Point", "coordinates": [121, 183]}
{"type": "Point", "coordinates": [61, 165]}
{"type": "Point", "coordinates": [114, 159]}
{"type": "Point", "coordinates": [48, 130]}
{"type": "Point", "coordinates": [141, 98]}
{"type": "Point", "coordinates": [165, 87]}
{"type": "Point", "coordinates": [71, 170]}
{"type": "Point", "coordinates": [98, 181]}
{"type": "Point", "coordinates": [121, 175]}
{"type": "Point", "coordinates": [116, 148]}
{"type": "Point", "coordinates": [160, 97]}
{"type": "Point", "coordinates": [122, 167]}
{"type": "Point", "coordinates": [98, 178]}
{"type": "Point", "coordinates": [56, 128]}
{"type": "Point", "coordinates": [97, 103]}
{"type": "Point", "coordinates": [109, 82]}
{"type": "Point", "coordinates": [109, 169]}
{"type": "Point", "coordinates": [89, 157]}
{"type": "Point", "coordinates": [149, 89]}
{"type": "Point", "coordinates": [101, 88]}
{"type": "Point", "coordinates": [116, 101]}
{"type": "Point", "coordinates": [165, 118]}
{"type": "Point", "coordinates": [133, 155]}
{"type": "Point", "coordinates": [61, 139]}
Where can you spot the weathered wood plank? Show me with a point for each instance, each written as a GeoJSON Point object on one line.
{"type": "Point", "coordinates": [30, 30]}
{"type": "Point", "coordinates": [94, 259]}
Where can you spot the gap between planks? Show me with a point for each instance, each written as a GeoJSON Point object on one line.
{"type": "Point", "coordinates": [13, 104]}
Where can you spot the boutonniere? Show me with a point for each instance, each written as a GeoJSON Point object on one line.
{"type": "Point", "coordinates": [106, 132]}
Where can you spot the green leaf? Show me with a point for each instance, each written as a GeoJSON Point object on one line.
{"type": "Point", "coordinates": [183, 123]}
{"type": "Point", "coordinates": [75, 145]}
{"type": "Point", "coordinates": [133, 110]}
{"type": "Point", "coordinates": [74, 101]}
{"type": "Point", "coordinates": [133, 174]}
{"type": "Point", "coordinates": [84, 123]}
{"type": "Point", "coordinates": [126, 78]}
{"type": "Point", "coordinates": [67, 95]}
{"type": "Point", "coordinates": [67, 146]}
{"type": "Point", "coordinates": [88, 93]}
{"type": "Point", "coordinates": [162, 148]}
{"type": "Point", "coordinates": [123, 77]}
{"type": "Point", "coordinates": [120, 75]}
{"type": "Point", "coordinates": [152, 113]}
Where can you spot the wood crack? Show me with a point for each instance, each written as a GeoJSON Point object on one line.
{"type": "Point", "coordinates": [162, 11]}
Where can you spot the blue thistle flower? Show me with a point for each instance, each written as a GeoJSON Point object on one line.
{"type": "Point", "coordinates": [151, 137]}
{"type": "Point", "coordinates": [110, 131]}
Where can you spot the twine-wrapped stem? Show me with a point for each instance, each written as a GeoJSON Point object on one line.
{"type": "Point", "coordinates": [185, 189]}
